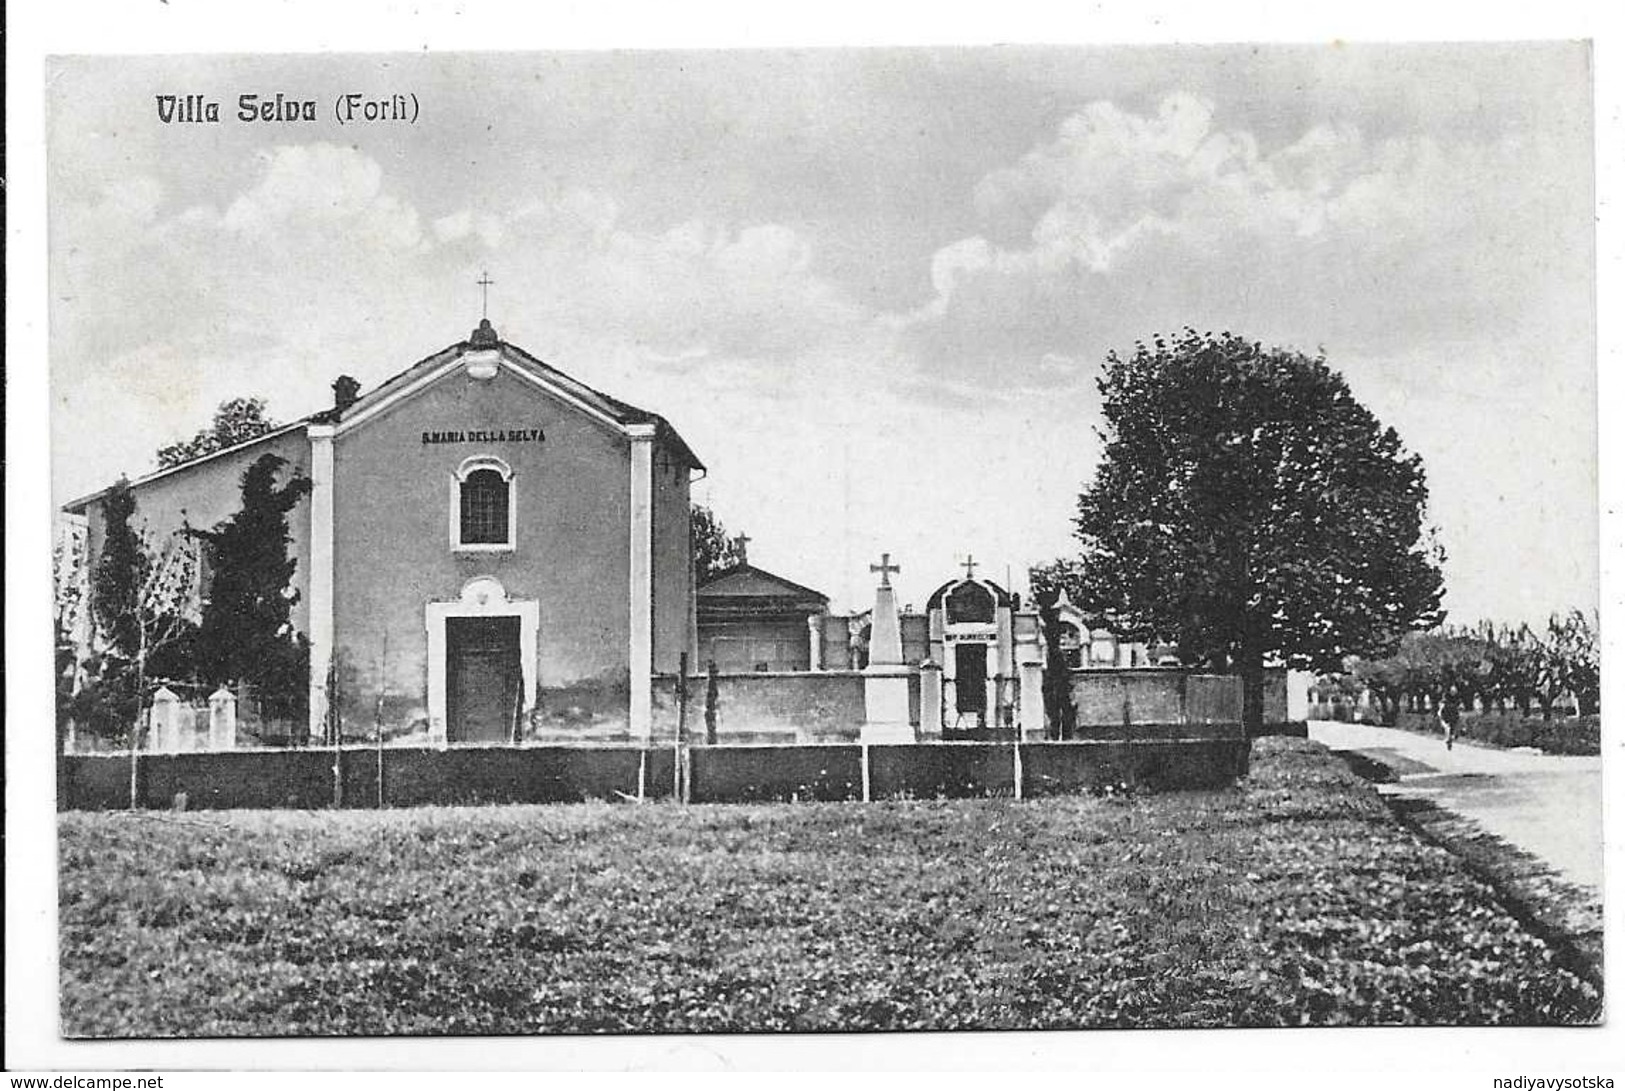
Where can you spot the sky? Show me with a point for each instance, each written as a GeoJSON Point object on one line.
{"type": "Point", "coordinates": [873, 288]}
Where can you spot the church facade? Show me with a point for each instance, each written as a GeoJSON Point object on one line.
{"type": "Point", "coordinates": [489, 547]}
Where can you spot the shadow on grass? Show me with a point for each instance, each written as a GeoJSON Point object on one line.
{"type": "Point", "coordinates": [1567, 917]}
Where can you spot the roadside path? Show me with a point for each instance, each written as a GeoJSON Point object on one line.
{"type": "Point", "coordinates": [1546, 804]}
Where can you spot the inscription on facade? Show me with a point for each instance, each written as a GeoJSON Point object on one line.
{"type": "Point", "coordinates": [486, 435]}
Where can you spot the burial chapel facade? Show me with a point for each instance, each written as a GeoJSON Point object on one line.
{"type": "Point", "coordinates": [488, 544]}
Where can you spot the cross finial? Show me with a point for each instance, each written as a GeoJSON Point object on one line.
{"type": "Point", "coordinates": [970, 567]}
{"type": "Point", "coordinates": [885, 568]}
{"type": "Point", "coordinates": [740, 542]}
{"type": "Point", "coordinates": [485, 283]}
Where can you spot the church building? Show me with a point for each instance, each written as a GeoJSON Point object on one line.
{"type": "Point", "coordinates": [488, 547]}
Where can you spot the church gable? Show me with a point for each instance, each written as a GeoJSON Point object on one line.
{"type": "Point", "coordinates": [479, 361]}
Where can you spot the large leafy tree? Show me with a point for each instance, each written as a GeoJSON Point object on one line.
{"type": "Point", "coordinates": [236, 421]}
{"type": "Point", "coordinates": [714, 550]}
{"type": "Point", "coordinates": [246, 634]}
{"type": "Point", "coordinates": [1248, 507]}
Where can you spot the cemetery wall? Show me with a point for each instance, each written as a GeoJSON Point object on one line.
{"type": "Point", "coordinates": [785, 706]}
{"type": "Point", "coordinates": [1162, 695]}
{"type": "Point", "coordinates": [305, 779]}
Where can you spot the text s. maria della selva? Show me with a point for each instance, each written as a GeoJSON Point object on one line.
{"type": "Point", "coordinates": [347, 108]}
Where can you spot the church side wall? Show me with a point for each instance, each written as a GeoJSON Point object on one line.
{"type": "Point", "coordinates": [673, 562]}
{"type": "Point", "coordinates": [209, 492]}
{"type": "Point", "coordinates": [393, 555]}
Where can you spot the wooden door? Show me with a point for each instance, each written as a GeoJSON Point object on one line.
{"type": "Point", "coordinates": [483, 678]}
{"type": "Point", "coordinates": [970, 679]}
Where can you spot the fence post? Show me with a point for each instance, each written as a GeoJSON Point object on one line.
{"type": "Point", "coordinates": [712, 699]}
{"type": "Point", "coordinates": [335, 728]}
{"type": "Point", "coordinates": [1016, 767]}
{"type": "Point", "coordinates": [682, 692]}
{"type": "Point", "coordinates": [679, 790]}
{"type": "Point", "coordinates": [865, 748]}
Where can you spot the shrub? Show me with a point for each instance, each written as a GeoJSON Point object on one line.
{"type": "Point", "coordinates": [1580, 735]}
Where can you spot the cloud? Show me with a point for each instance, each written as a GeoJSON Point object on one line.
{"type": "Point", "coordinates": [309, 189]}
{"type": "Point", "coordinates": [1124, 225]}
{"type": "Point", "coordinates": [277, 288]}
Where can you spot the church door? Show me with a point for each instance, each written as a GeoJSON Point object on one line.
{"type": "Point", "coordinates": [482, 678]}
{"type": "Point", "coordinates": [970, 679]}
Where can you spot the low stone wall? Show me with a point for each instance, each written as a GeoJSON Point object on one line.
{"type": "Point", "coordinates": [748, 774]}
{"type": "Point", "coordinates": [1157, 765]}
{"type": "Point", "coordinates": [305, 779]}
{"type": "Point", "coordinates": [1161, 695]}
{"type": "Point", "coordinates": [786, 706]}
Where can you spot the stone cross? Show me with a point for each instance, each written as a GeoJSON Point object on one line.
{"type": "Point", "coordinates": [885, 568]}
{"type": "Point", "coordinates": [485, 283]}
{"type": "Point", "coordinates": [970, 567]}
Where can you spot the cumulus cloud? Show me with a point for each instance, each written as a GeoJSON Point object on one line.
{"type": "Point", "coordinates": [1129, 224]}
{"type": "Point", "coordinates": [278, 288]}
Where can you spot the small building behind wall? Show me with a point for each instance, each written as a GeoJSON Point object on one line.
{"type": "Point", "coordinates": [752, 620]}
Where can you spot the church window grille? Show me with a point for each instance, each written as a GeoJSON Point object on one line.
{"type": "Point", "coordinates": [483, 506]}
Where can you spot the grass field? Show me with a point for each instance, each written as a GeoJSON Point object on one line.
{"type": "Point", "coordinates": [1295, 899]}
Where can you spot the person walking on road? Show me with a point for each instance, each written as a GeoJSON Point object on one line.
{"type": "Point", "coordinates": [1449, 717]}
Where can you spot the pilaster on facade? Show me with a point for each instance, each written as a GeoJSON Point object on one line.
{"type": "Point", "coordinates": [321, 572]}
{"type": "Point", "coordinates": [640, 573]}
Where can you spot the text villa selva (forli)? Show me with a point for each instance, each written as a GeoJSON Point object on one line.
{"type": "Point", "coordinates": [348, 107]}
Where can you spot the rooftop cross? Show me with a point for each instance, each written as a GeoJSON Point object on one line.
{"type": "Point", "coordinates": [485, 283]}
{"type": "Point", "coordinates": [970, 566]}
{"type": "Point", "coordinates": [885, 568]}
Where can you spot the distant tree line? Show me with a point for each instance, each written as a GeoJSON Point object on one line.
{"type": "Point", "coordinates": [1492, 666]}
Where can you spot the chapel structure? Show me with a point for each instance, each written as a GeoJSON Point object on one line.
{"type": "Point", "coordinates": [750, 619]}
{"type": "Point", "coordinates": [488, 546]}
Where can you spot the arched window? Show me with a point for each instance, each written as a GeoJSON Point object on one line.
{"type": "Point", "coordinates": [482, 505]}
{"type": "Point", "coordinates": [970, 602]}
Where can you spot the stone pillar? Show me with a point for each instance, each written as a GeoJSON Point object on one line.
{"type": "Point", "coordinates": [885, 683]}
{"type": "Point", "coordinates": [815, 642]}
{"type": "Point", "coordinates": [1029, 656]}
{"type": "Point", "coordinates": [1297, 694]}
{"type": "Point", "coordinates": [1032, 700]}
{"type": "Point", "coordinates": [222, 719]}
{"type": "Point", "coordinates": [930, 700]}
{"type": "Point", "coordinates": [164, 721]}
